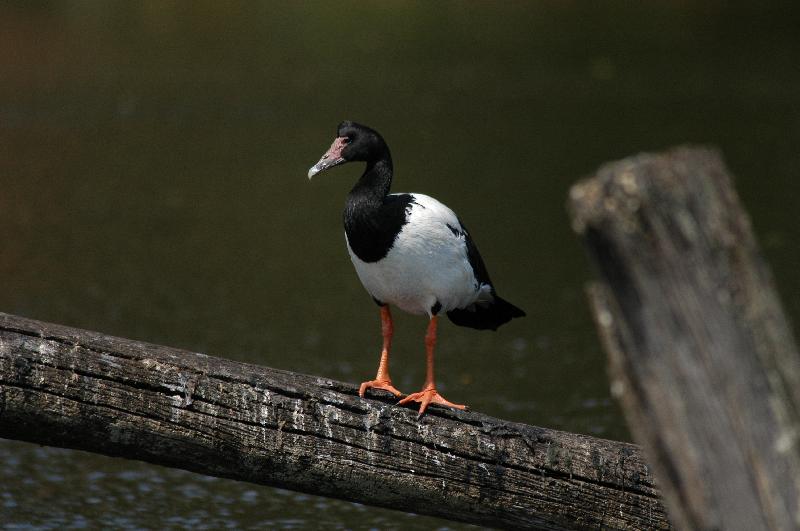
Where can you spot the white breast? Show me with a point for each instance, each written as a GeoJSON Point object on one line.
{"type": "Point", "coordinates": [427, 263]}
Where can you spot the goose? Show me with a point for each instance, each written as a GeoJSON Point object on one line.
{"type": "Point", "coordinates": [412, 252]}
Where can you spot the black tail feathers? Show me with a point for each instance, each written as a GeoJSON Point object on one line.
{"type": "Point", "coordinates": [487, 316]}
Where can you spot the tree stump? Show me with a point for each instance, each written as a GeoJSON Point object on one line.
{"type": "Point", "coordinates": [701, 354]}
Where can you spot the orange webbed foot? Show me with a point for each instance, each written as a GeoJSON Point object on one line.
{"type": "Point", "coordinates": [378, 384]}
{"type": "Point", "coordinates": [427, 397]}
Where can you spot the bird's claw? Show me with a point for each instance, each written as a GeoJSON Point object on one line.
{"type": "Point", "coordinates": [427, 397]}
{"type": "Point", "coordinates": [378, 384]}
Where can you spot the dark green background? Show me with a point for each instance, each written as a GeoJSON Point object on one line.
{"type": "Point", "coordinates": [153, 161]}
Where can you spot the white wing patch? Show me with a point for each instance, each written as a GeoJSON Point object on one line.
{"type": "Point", "coordinates": [427, 263]}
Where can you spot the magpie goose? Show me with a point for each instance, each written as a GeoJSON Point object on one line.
{"type": "Point", "coordinates": [412, 252]}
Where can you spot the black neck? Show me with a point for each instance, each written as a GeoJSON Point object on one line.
{"type": "Point", "coordinates": [372, 217]}
{"type": "Point", "coordinates": [376, 181]}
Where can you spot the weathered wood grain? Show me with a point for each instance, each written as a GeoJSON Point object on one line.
{"type": "Point", "coordinates": [700, 351]}
{"type": "Point", "coordinates": [77, 389]}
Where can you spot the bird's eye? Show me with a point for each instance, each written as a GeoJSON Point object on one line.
{"type": "Point", "coordinates": [347, 140]}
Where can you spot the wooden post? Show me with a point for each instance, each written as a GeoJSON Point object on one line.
{"type": "Point", "coordinates": [701, 354]}
{"type": "Point", "coordinates": [76, 389]}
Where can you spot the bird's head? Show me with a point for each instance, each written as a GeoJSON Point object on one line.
{"type": "Point", "coordinates": [354, 142]}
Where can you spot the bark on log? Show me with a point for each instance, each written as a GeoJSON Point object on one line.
{"type": "Point", "coordinates": [71, 388]}
{"type": "Point", "coordinates": [700, 351]}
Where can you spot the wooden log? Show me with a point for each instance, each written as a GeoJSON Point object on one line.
{"type": "Point", "coordinates": [700, 351]}
{"type": "Point", "coordinates": [71, 388]}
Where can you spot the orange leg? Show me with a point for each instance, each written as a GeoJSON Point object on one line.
{"type": "Point", "coordinates": [429, 395]}
{"type": "Point", "coordinates": [382, 380]}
